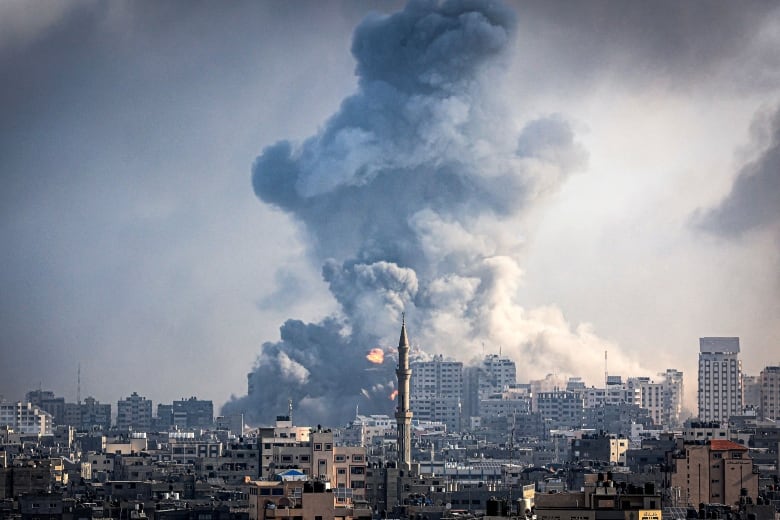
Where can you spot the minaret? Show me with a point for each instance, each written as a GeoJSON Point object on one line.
{"type": "Point", "coordinates": [403, 415]}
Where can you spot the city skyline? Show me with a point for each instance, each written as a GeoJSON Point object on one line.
{"type": "Point", "coordinates": [645, 218]}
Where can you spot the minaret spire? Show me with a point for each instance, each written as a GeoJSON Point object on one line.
{"type": "Point", "coordinates": [403, 414]}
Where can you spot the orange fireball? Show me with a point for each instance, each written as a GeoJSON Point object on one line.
{"type": "Point", "coordinates": [393, 395]}
{"type": "Point", "coordinates": [376, 355]}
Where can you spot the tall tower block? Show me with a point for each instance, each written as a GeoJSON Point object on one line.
{"type": "Point", "coordinates": [403, 414]}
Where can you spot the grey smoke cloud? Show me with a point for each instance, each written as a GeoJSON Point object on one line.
{"type": "Point", "coordinates": [754, 199]}
{"type": "Point", "coordinates": [413, 196]}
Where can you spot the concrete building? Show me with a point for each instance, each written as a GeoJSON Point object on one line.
{"type": "Point", "coordinates": [185, 414]}
{"type": "Point", "coordinates": [437, 390]}
{"type": "Point", "coordinates": [193, 413]}
{"type": "Point", "coordinates": [602, 448]}
{"type": "Point", "coordinates": [134, 413]}
{"type": "Point", "coordinates": [496, 374]}
{"type": "Point", "coordinates": [90, 415]}
{"type": "Point", "coordinates": [26, 418]}
{"type": "Point", "coordinates": [720, 379]}
{"type": "Point", "coordinates": [713, 473]}
{"type": "Point", "coordinates": [769, 381]}
{"type": "Point", "coordinates": [48, 402]}
{"type": "Point", "coordinates": [561, 410]}
{"type": "Point", "coordinates": [499, 410]}
{"type": "Point", "coordinates": [301, 500]}
{"type": "Point", "coordinates": [600, 499]}
{"type": "Point", "coordinates": [673, 398]}
{"type": "Point", "coordinates": [751, 393]}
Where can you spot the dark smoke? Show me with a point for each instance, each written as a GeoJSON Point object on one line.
{"type": "Point", "coordinates": [413, 196]}
{"type": "Point", "coordinates": [754, 200]}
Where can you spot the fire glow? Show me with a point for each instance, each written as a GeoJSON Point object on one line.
{"type": "Point", "coordinates": [376, 355]}
{"type": "Point", "coordinates": [393, 395]}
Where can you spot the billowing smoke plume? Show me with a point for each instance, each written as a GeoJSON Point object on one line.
{"type": "Point", "coordinates": [414, 196]}
{"type": "Point", "coordinates": [754, 200]}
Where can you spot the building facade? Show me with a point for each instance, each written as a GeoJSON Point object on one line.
{"type": "Point", "coordinates": [769, 382]}
{"type": "Point", "coordinates": [134, 413]}
{"type": "Point", "coordinates": [720, 379]}
{"type": "Point", "coordinates": [26, 418]}
{"type": "Point", "coordinates": [436, 391]}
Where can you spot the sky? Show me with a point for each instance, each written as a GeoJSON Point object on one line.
{"type": "Point", "coordinates": [197, 191]}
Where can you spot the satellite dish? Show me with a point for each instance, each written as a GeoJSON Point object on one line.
{"type": "Point", "coordinates": [448, 505]}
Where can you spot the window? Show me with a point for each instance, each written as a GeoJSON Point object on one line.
{"type": "Point", "coordinates": [318, 447]}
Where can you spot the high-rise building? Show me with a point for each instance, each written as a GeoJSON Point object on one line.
{"type": "Point", "coordinates": [720, 379]}
{"type": "Point", "coordinates": [770, 393]}
{"type": "Point", "coordinates": [134, 413]}
{"type": "Point", "coordinates": [496, 374]}
{"type": "Point", "coordinates": [673, 397]}
{"type": "Point", "coordinates": [751, 393]}
{"type": "Point", "coordinates": [437, 390]}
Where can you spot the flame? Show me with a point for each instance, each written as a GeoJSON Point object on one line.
{"type": "Point", "coordinates": [376, 355]}
{"type": "Point", "coordinates": [393, 395]}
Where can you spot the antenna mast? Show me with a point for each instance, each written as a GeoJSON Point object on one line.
{"type": "Point", "coordinates": [606, 372]}
{"type": "Point", "coordinates": [78, 386]}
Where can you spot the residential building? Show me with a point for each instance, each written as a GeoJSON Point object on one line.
{"type": "Point", "coordinates": [770, 393]}
{"type": "Point", "coordinates": [608, 449]}
{"type": "Point", "coordinates": [496, 374]}
{"type": "Point", "coordinates": [90, 415]}
{"type": "Point", "coordinates": [720, 379]}
{"type": "Point", "coordinates": [26, 418]}
{"type": "Point", "coordinates": [713, 473]}
{"type": "Point", "coordinates": [48, 402]}
{"type": "Point", "coordinates": [134, 413]}
{"type": "Point", "coordinates": [561, 410]}
{"type": "Point", "coordinates": [673, 398]}
{"type": "Point", "coordinates": [751, 393]}
{"type": "Point", "coordinates": [436, 390]}
{"type": "Point", "coordinates": [193, 413]}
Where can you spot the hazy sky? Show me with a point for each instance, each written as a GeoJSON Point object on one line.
{"type": "Point", "coordinates": [134, 244]}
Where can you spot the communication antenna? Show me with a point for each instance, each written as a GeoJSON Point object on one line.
{"type": "Point", "coordinates": [289, 409]}
{"type": "Point", "coordinates": [78, 386]}
{"type": "Point", "coordinates": [606, 372]}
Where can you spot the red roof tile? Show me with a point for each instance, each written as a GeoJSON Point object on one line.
{"type": "Point", "coordinates": [723, 445]}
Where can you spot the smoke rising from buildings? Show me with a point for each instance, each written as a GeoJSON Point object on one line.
{"type": "Point", "coordinates": [415, 197]}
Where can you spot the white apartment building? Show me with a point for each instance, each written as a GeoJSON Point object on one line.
{"type": "Point", "coordinates": [720, 379]}
{"type": "Point", "coordinates": [495, 375]}
{"type": "Point", "coordinates": [436, 391]}
{"type": "Point", "coordinates": [25, 418]}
